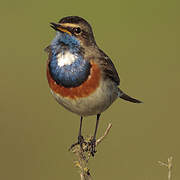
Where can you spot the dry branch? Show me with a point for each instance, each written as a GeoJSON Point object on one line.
{"type": "Point", "coordinates": [83, 155]}
{"type": "Point", "coordinates": [168, 165]}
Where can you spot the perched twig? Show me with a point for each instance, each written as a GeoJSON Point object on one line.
{"type": "Point", "coordinates": [82, 163]}
{"type": "Point", "coordinates": [105, 134]}
{"type": "Point", "coordinates": [83, 155]}
{"type": "Point", "coordinates": [168, 165]}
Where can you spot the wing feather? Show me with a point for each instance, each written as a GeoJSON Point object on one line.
{"type": "Point", "coordinates": [109, 68]}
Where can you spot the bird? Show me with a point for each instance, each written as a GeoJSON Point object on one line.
{"type": "Point", "coordinates": [81, 77]}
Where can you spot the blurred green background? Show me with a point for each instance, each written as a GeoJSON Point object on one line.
{"type": "Point", "coordinates": [142, 38]}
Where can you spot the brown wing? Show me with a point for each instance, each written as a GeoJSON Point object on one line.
{"type": "Point", "coordinates": [109, 68]}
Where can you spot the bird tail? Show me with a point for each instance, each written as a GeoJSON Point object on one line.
{"type": "Point", "coordinates": [124, 96]}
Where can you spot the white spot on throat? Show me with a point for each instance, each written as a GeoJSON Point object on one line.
{"type": "Point", "coordinates": [66, 58]}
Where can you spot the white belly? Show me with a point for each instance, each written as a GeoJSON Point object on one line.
{"type": "Point", "coordinates": [96, 103]}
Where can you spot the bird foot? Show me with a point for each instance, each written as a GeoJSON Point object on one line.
{"type": "Point", "coordinates": [80, 142]}
{"type": "Point", "coordinates": [89, 146]}
{"type": "Point", "coordinates": [92, 145]}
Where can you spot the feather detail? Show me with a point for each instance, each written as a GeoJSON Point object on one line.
{"type": "Point", "coordinates": [83, 90]}
{"type": "Point", "coordinates": [126, 97]}
{"type": "Point", "coordinates": [108, 67]}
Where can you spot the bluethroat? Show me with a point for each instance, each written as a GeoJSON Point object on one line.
{"type": "Point", "coordinates": [82, 78]}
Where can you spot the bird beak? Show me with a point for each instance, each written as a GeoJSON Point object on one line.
{"type": "Point", "coordinates": [59, 27]}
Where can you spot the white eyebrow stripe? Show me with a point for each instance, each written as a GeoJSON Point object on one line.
{"type": "Point", "coordinates": [69, 25]}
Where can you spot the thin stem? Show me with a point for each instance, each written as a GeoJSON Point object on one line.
{"type": "Point", "coordinates": [168, 165]}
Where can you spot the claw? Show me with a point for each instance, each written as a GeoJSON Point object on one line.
{"type": "Point", "coordinates": [80, 142]}
{"type": "Point", "coordinates": [93, 146]}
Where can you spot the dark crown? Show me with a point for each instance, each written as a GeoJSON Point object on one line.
{"type": "Point", "coordinates": [74, 20]}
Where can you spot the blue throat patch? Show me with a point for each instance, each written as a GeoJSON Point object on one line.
{"type": "Point", "coordinates": [65, 39]}
{"type": "Point", "coordinates": [71, 75]}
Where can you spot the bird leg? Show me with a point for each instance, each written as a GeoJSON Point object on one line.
{"type": "Point", "coordinates": [92, 142]}
{"type": "Point", "coordinates": [80, 137]}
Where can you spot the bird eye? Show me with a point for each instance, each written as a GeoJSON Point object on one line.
{"type": "Point", "coordinates": [77, 30]}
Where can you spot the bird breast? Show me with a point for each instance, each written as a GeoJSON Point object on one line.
{"type": "Point", "coordinates": [83, 90]}
{"type": "Point", "coordinates": [68, 69]}
{"type": "Point", "coordinates": [66, 59]}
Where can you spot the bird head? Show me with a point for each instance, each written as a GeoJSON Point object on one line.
{"type": "Point", "coordinates": [74, 30]}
